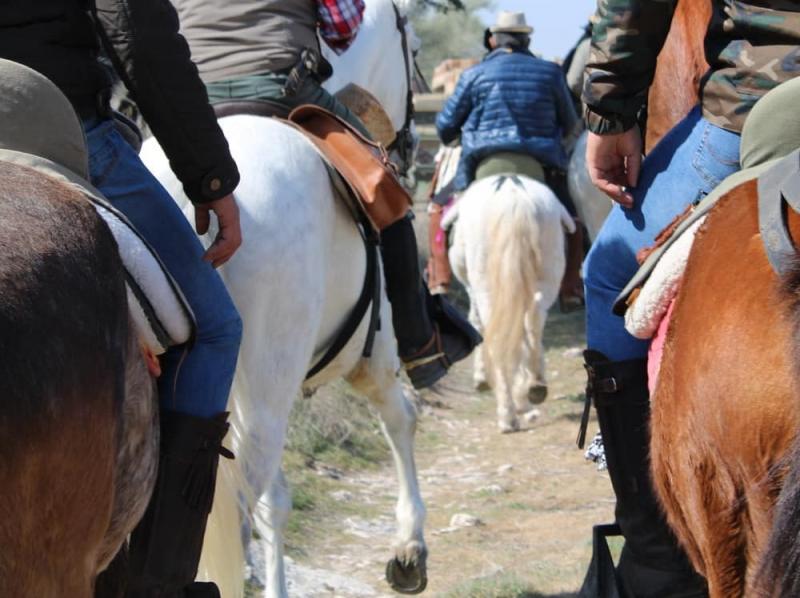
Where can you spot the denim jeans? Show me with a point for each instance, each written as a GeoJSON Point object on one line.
{"type": "Point", "coordinates": [195, 382]}
{"type": "Point", "coordinates": [685, 166]}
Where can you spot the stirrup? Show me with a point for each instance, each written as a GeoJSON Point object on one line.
{"type": "Point", "coordinates": [425, 367]}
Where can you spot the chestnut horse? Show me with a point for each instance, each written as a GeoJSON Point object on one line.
{"type": "Point", "coordinates": [78, 414]}
{"type": "Point", "coordinates": [724, 410]}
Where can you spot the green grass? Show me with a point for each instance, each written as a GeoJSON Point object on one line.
{"type": "Point", "coordinates": [332, 429]}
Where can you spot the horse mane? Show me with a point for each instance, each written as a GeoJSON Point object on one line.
{"type": "Point", "coordinates": [681, 64]}
{"type": "Point", "coordinates": [778, 573]}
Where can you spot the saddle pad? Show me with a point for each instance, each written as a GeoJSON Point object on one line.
{"type": "Point", "coordinates": [644, 315]}
{"type": "Point", "coordinates": [702, 208]}
{"type": "Point", "coordinates": [158, 309]}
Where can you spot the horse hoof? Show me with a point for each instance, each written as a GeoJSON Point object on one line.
{"type": "Point", "coordinates": [408, 578]}
{"type": "Point", "coordinates": [537, 394]}
{"type": "Point", "coordinates": [509, 427]}
{"type": "Point", "coordinates": [482, 386]}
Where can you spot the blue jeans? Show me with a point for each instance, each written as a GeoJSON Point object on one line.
{"type": "Point", "coordinates": [196, 382]}
{"type": "Point", "coordinates": [686, 165]}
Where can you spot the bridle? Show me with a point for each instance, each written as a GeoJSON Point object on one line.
{"type": "Point", "coordinates": [404, 140]}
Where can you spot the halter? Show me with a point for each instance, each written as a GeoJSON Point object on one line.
{"type": "Point", "coordinates": [403, 142]}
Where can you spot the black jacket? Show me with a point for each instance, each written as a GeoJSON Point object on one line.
{"type": "Point", "coordinates": [59, 38]}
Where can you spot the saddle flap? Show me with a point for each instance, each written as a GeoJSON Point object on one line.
{"type": "Point", "coordinates": [362, 163]}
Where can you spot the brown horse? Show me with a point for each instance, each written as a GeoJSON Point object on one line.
{"type": "Point", "coordinates": [681, 64]}
{"type": "Point", "coordinates": [78, 436]}
{"type": "Point", "coordinates": [724, 412]}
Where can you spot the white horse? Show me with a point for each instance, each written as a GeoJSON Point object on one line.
{"type": "Point", "coordinates": [591, 204]}
{"type": "Point", "coordinates": [295, 280]}
{"type": "Point", "coordinates": [508, 251]}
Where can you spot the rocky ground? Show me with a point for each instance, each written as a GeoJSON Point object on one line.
{"type": "Point", "coordinates": [508, 515]}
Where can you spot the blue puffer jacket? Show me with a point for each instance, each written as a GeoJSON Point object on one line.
{"type": "Point", "coordinates": [512, 101]}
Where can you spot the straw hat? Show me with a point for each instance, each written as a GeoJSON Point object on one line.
{"type": "Point", "coordinates": [511, 22]}
{"type": "Point", "coordinates": [369, 110]}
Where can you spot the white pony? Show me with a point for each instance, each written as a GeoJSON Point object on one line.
{"type": "Point", "coordinates": [591, 204]}
{"type": "Point", "coordinates": [508, 251]}
{"type": "Point", "coordinates": [296, 278]}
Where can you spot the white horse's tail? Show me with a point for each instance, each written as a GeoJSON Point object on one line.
{"type": "Point", "coordinates": [223, 558]}
{"type": "Point", "coordinates": [513, 265]}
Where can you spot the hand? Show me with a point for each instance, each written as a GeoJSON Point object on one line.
{"type": "Point", "coordinates": [613, 162]}
{"type": "Point", "coordinates": [229, 236]}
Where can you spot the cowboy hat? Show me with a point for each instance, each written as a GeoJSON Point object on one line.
{"type": "Point", "coordinates": [511, 22]}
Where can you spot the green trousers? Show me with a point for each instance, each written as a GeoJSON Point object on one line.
{"type": "Point", "coordinates": [269, 86]}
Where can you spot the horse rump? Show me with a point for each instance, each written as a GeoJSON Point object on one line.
{"type": "Point", "coordinates": [64, 339]}
{"type": "Point", "coordinates": [778, 573]}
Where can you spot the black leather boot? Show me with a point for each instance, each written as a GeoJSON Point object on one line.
{"type": "Point", "coordinates": [165, 547]}
{"type": "Point", "coordinates": [431, 334]}
{"type": "Point", "coordinates": [652, 564]}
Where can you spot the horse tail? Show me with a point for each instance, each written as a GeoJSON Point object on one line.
{"type": "Point", "coordinates": [513, 265]}
{"type": "Point", "coordinates": [223, 559]}
{"type": "Point", "coordinates": [778, 573]}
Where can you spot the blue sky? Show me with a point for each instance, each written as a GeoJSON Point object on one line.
{"type": "Point", "coordinates": [557, 23]}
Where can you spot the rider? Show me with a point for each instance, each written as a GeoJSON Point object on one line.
{"type": "Point", "coordinates": [751, 47]}
{"type": "Point", "coordinates": [274, 54]}
{"type": "Point", "coordinates": [59, 38]}
{"type": "Point", "coordinates": [512, 111]}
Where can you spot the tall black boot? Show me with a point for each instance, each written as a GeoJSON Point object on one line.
{"type": "Point", "coordinates": [652, 564]}
{"type": "Point", "coordinates": [165, 547]}
{"type": "Point", "coordinates": [431, 334]}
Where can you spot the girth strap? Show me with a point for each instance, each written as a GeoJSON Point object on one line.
{"type": "Point", "coordinates": [370, 293]}
{"type": "Point", "coordinates": [778, 185]}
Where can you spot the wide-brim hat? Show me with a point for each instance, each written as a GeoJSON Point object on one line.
{"type": "Point", "coordinates": [511, 22]}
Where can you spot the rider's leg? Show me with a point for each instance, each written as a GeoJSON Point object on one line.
{"type": "Point", "coordinates": [431, 334]}
{"type": "Point", "coordinates": [194, 386]}
{"type": "Point", "coordinates": [688, 163]}
{"type": "Point", "coordinates": [414, 311]}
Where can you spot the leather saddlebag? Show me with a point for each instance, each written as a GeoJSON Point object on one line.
{"type": "Point", "coordinates": [363, 164]}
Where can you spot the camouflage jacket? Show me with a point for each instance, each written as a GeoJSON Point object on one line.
{"type": "Point", "coordinates": [751, 45]}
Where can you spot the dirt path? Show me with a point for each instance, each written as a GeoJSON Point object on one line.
{"type": "Point", "coordinates": [533, 495]}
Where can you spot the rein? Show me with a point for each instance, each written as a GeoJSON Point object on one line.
{"type": "Point", "coordinates": [403, 143]}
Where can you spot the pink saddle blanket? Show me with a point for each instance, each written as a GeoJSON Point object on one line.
{"type": "Point", "coordinates": [656, 352]}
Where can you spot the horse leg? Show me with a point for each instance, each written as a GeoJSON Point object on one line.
{"type": "Point", "coordinates": [537, 378]}
{"type": "Point", "coordinates": [272, 515]}
{"type": "Point", "coordinates": [480, 381]}
{"type": "Point", "coordinates": [377, 380]}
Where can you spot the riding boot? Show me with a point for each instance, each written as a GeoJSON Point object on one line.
{"type": "Point", "coordinates": [431, 334]}
{"type": "Point", "coordinates": [165, 546]}
{"type": "Point", "coordinates": [652, 564]}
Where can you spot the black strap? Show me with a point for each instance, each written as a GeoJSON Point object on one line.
{"type": "Point", "coordinates": [370, 293]}
{"type": "Point", "coordinates": [778, 186]}
{"type": "Point", "coordinates": [404, 140]}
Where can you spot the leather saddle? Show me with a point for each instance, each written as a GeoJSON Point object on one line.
{"type": "Point", "coordinates": [363, 166]}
